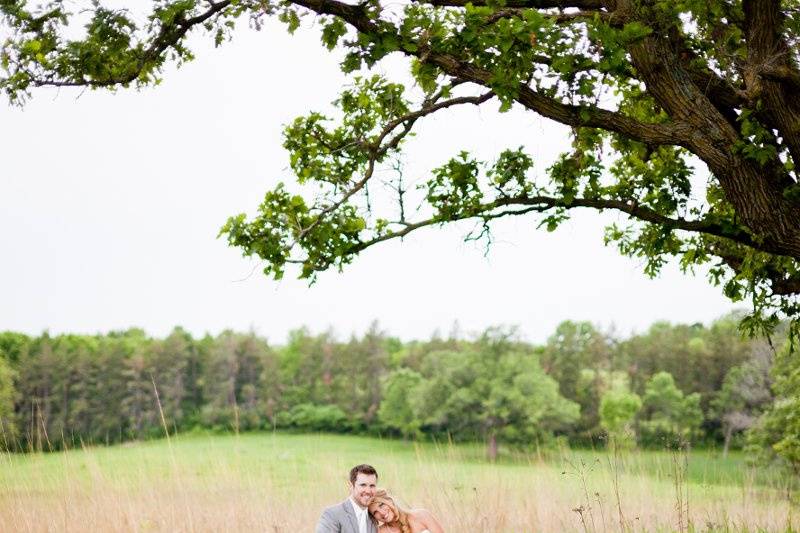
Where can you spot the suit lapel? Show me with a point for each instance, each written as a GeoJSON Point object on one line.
{"type": "Point", "coordinates": [351, 514]}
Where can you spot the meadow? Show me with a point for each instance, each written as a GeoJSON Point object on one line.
{"type": "Point", "coordinates": [276, 482]}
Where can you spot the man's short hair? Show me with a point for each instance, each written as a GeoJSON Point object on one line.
{"type": "Point", "coordinates": [362, 469]}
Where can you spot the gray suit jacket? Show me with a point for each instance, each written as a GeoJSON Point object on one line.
{"type": "Point", "coordinates": [341, 518]}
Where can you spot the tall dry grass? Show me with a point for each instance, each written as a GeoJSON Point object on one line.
{"type": "Point", "coordinates": [279, 483]}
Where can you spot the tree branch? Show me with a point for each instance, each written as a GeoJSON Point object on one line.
{"type": "Point", "coordinates": [781, 283]}
{"type": "Point", "coordinates": [609, 18]}
{"type": "Point", "coordinates": [572, 115]}
{"type": "Point", "coordinates": [535, 4]}
{"type": "Point", "coordinates": [411, 118]}
{"type": "Point", "coordinates": [781, 73]}
{"type": "Point", "coordinates": [377, 149]}
{"type": "Point", "coordinates": [168, 35]}
{"type": "Point", "coordinates": [529, 204]}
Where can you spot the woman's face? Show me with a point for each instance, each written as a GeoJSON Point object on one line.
{"type": "Point", "coordinates": [382, 512]}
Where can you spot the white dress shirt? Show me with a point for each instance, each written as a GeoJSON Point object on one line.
{"type": "Point", "coordinates": [361, 516]}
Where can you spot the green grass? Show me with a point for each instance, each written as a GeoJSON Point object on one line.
{"type": "Point", "coordinates": [280, 482]}
{"type": "Point", "coordinates": [705, 467]}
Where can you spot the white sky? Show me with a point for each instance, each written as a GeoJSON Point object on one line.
{"type": "Point", "coordinates": [110, 207]}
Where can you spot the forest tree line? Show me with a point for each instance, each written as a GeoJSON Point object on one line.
{"type": "Point", "coordinates": [673, 385]}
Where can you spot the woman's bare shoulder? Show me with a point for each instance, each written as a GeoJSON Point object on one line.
{"type": "Point", "coordinates": [388, 529]}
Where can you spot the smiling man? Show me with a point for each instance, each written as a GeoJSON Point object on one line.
{"type": "Point", "coordinates": [351, 515]}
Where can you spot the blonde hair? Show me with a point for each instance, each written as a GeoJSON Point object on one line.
{"type": "Point", "coordinates": [400, 514]}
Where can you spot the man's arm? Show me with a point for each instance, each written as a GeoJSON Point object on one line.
{"type": "Point", "coordinates": [327, 523]}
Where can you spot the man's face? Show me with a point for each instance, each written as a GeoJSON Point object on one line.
{"type": "Point", "coordinates": [364, 488]}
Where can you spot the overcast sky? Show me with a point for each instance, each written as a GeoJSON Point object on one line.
{"type": "Point", "coordinates": [111, 205]}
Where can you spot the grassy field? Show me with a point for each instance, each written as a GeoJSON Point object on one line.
{"type": "Point", "coordinates": [280, 482]}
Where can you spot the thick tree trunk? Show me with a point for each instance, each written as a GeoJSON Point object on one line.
{"type": "Point", "coordinates": [760, 203]}
{"type": "Point", "coordinates": [756, 191]}
{"type": "Point", "coordinates": [770, 72]}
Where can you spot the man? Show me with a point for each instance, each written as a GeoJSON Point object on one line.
{"type": "Point", "coordinates": [351, 515]}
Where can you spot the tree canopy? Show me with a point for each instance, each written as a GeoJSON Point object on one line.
{"type": "Point", "coordinates": [652, 91]}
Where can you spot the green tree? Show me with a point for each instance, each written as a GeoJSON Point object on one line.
{"type": "Point", "coordinates": [777, 433]}
{"type": "Point", "coordinates": [90, 391]}
{"type": "Point", "coordinates": [36, 381]}
{"type": "Point", "coordinates": [618, 410]}
{"type": "Point", "coordinates": [573, 347]}
{"type": "Point", "coordinates": [745, 394]}
{"type": "Point", "coordinates": [139, 408]}
{"type": "Point", "coordinates": [8, 430]}
{"type": "Point", "coordinates": [271, 388]}
{"type": "Point", "coordinates": [12, 345]}
{"type": "Point", "coordinates": [396, 410]}
{"type": "Point", "coordinates": [668, 416]}
{"type": "Point", "coordinates": [697, 357]}
{"type": "Point", "coordinates": [580, 358]}
{"type": "Point", "coordinates": [709, 81]}
{"type": "Point", "coordinates": [167, 367]}
{"type": "Point", "coordinates": [233, 381]}
{"type": "Point", "coordinates": [360, 366]}
{"type": "Point", "coordinates": [309, 367]}
{"type": "Point", "coordinates": [494, 389]}
{"type": "Point", "coordinates": [310, 417]}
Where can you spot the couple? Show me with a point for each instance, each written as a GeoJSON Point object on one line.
{"type": "Point", "coordinates": [368, 506]}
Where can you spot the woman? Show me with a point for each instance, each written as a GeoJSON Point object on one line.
{"type": "Point", "coordinates": [393, 519]}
